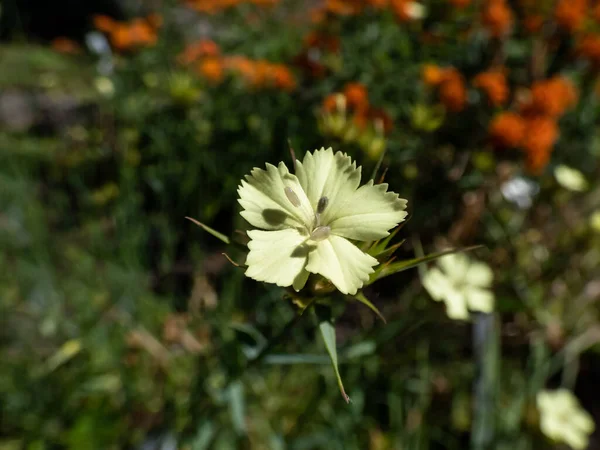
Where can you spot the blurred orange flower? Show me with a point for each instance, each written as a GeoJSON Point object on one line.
{"type": "Point", "coordinates": [406, 10]}
{"type": "Point", "coordinates": [452, 91]}
{"type": "Point", "coordinates": [283, 78]}
{"type": "Point", "coordinates": [197, 50]}
{"type": "Point", "coordinates": [551, 97]}
{"type": "Point", "coordinates": [214, 6]}
{"type": "Point", "coordinates": [589, 47]}
{"type": "Point", "coordinates": [104, 23]}
{"type": "Point", "coordinates": [493, 83]}
{"type": "Point", "coordinates": [345, 7]}
{"type": "Point", "coordinates": [356, 96]}
{"type": "Point", "coordinates": [261, 73]}
{"type": "Point", "coordinates": [129, 35]}
{"type": "Point", "coordinates": [538, 142]}
{"type": "Point", "coordinates": [211, 69]}
{"type": "Point", "coordinates": [596, 12]}
{"type": "Point", "coordinates": [533, 23]}
{"type": "Point", "coordinates": [66, 45]}
{"type": "Point", "coordinates": [497, 17]}
{"type": "Point", "coordinates": [507, 130]}
{"type": "Point", "coordinates": [432, 75]}
{"type": "Point", "coordinates": [570, 14]}
{"type": "Point", "coordinates": [322, 41]}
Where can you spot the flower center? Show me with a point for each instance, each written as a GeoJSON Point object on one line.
{"type": "Point", "coordinates": [317, 232]}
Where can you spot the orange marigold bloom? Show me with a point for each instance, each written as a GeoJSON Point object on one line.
{"type": "Point", "coordinates": [542, 133]}
{"type": "Point", "coordinates": [570, 14]}
{"type": "Point", "coordinates": [589, 47]}
{"type": "Point", "coordinates": [322, 41]}
{"type": "Point", "coordinates": [127, 35]}
{"type": "Point", "coordinates": [533, 23]}
{"type": "Point", "coordinates": [507, 130]}
{"type": "Point", "coordinates": [452, 91]}
{"type": "Point", "coordinates": [596, 12]}
{"type": "Point", "coordinates": [344, 7]}
{"type": "Point", "coordinates": [197, 50]}
{"type": "Point", "coordinates": [155, 20]}
{"type": "Point", "coordinates": [66, 45]}
{"type": "Point", "coordinates": [493, 83]}
{"type": "Point", "coordinates": [283, 78]}
{"type": "Point", "coordinates": [242, 65]}
{"type": "Point", "coordinates": [211, 6]}
{"type": "Point", "coordinates": [497, 17]}
{"type": "Point", "coordinates": [211, 69]}
{"type": "Point", "coordinates": [142, 33]}
{"type": "Point", "coordinates": [104, 23]}
{"type": "Point", "coordinates": [552, 97]}
{"type": "Point", "coordinates": [356, 95]}
{"type": "Point", "coordinates": [264, 2]}
{"type": "Point", "coordinates": [432, 75]}
{"type": "Point", "coordinates": [406, 10]}
{"type": "Point", "coordinates": [460, 3]}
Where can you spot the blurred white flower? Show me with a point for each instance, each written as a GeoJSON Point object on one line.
{"type": "Point", "coordinates": [562, 418]}
{"type": "Point", "coordinates": [520, 191]}
{"type": "Point", "coordinates": [570, 178]}
{"type": "Point", "coordinates": [462, 284]}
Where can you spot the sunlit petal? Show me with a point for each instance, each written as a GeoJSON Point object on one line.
{"type": "Point", "coordinates": [367, 213]}
{"type": "Point", "coordinates": [324, 173]}
{"type": "Point", "coordinates": [278, 257]}
{"type": "Point", "coordinates": [266, 206]}
{"type": "Point", "coordinates": [345, 265]}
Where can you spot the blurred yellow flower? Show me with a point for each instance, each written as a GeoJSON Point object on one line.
{"type": "Point", "coordinates": [570, 178]}
{"type": "Point", "coordinates": [595, 221]}
{"type": "Point", "coordinates": [562, 418]}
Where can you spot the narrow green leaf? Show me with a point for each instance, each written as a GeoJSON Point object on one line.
{"type": "Point", "coordinates": [360, 296]}
{"type": "Point", "coordinates": [400, 266]}
{"type": "Point", "coordinates": [388, 252]}
{"type": "Point", "coordinates": [381, 245]}
{"type": "Point", "coordinates": [215, 233]}
{"type": "Point", "coordinates": [328, 333]}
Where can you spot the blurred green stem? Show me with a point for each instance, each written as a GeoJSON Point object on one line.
{"type": "Point", "coordinates": [486, 347]}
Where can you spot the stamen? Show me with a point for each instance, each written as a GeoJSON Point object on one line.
{"type": "Point", "coordinates": [292, 197]}
{"type": "Point", "coordinates": [320, 233]}
{"type": "Point", "coordinates": [323, 201]}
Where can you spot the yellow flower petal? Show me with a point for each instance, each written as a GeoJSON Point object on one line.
{"type": "Point", "coordinates": [345, 265]}
{"type": "Point", "coordinates": [278, 257]}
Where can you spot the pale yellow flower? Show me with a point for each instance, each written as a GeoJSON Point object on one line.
{"type": "Point", "coordinates": [307, 221]}
{"type": "Point", "coordinates": [462, 284]}
{"type": "Point", "coordinates": [562, 418]}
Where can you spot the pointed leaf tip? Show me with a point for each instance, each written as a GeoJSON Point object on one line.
{"type": "Point", "coordinates": [210, 230]}
{"type": "Point", "coordinates": [328, 333]}
{"type": "Point", "coordinates": [365, 301]}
